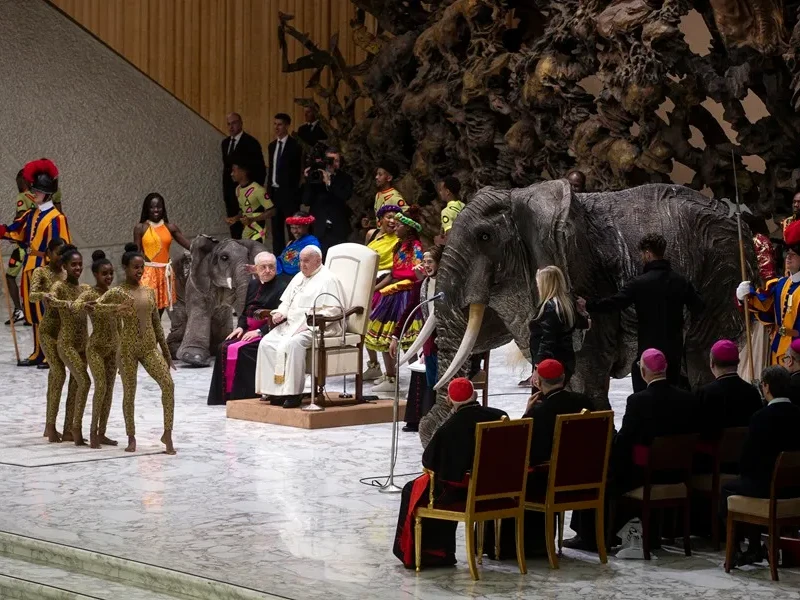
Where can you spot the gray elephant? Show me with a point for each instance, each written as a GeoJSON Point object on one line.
{"type": "Point", "coordinates": [215, 288]}
{"type": "Point", "coordinates": [501, 238]}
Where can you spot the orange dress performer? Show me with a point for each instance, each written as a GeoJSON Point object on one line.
{"type": "Point", "coordinates": [158, 273]}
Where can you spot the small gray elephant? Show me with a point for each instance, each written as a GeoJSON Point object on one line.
{"type": "Point", "coordinates": [216, 286]}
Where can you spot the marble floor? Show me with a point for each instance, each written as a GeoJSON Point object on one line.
{"type": "Point", "coordinates": [283, 510]}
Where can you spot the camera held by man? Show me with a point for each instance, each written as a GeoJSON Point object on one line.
{"type": "Point", "coordinates": [328, 188]}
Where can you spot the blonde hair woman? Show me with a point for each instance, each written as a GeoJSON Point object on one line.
{"type": "Point", "coordinates": [556, 320]}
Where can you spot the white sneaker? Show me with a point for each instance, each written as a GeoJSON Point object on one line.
{"type": "Point", "coordinates": [373, 372]}
{"type": "Point", "coordinates": [385, 386]}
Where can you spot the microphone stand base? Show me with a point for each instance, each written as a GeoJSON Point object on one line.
{"type": "Point", "coordinates": [390, 489]}
{"type": "Point", "coordinates": [313, 408]}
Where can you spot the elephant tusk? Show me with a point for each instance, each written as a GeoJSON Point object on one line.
{"type": "Point", "coordinates": [424, 334]}
{"type": "Point", "coordinates": [467, 344]}
{"type": "Point", "coordinates": [230, 283]}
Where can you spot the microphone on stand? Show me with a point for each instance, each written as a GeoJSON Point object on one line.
{"type": "Point", "coordinates": [389, 487]}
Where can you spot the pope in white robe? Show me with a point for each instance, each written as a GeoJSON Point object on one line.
{"type": "Point", "coordinates": [281, 363]}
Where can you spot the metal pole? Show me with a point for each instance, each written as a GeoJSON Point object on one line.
{"type": "Point", "coordinates": [390, 487]}
{"type": "Point", "coordinates": [744, 273]}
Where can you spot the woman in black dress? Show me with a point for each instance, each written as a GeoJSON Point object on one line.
{"type": "Point", "coordinates": [234, 375]}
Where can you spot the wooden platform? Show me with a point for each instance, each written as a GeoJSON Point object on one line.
{"type": "Point", "coordinates": [379, 411]}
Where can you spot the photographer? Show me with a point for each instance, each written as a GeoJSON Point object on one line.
{"type": "Point", "coordinates": [327, 190]}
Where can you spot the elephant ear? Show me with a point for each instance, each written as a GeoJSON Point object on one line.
{"type": "Point", "coordinates": [550, 209]}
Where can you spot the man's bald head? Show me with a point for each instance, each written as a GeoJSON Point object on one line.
{"type": "Point", "coordinates": [577, 180]}
{"type": "Point", "coordinates": [234, 121]}
{"type": "Point", "coordinates": [310, 260]}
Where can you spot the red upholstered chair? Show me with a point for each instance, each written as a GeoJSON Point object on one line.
{"type": "Point", "coordinates": [672, 454]}
{"type": "Point", "coordinates": [728, 449]}
{"type": "Point", "coordinates": [496, 488]}
{"type": "Point", "coordinates": [577, 475]}
{"type": "Point", "coordinates": [771, 512]}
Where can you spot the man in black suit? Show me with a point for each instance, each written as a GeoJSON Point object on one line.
{"type": "Point", "coordinates": [659, 295]}
{"type": "Point", "coordinates": [658, 410]}
{"type": "Point", "coordinates": [283, 181]}
{"type": "Point", "coordinates": [773, 429]}
{"type": "Point", "coordinates": [791, 361]}
{"type": "Point", "coordinates": [311, 131]}
{"type": "Point", "coordinates": [728, 401]}
{"type": "Point", "coordinates": [246, 146]}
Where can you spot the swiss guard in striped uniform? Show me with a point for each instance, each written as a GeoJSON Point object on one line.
{"type": "Point", "coordinates": [34, 230]}
{"type": "Point", "coordinates": [779, 302]}
{"type": "Point", "coordinates": [24, 202]}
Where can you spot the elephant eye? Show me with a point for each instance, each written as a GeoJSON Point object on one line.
{"type": "Point", "coordinates": [485, 237]}
{"type": "Point", "coordinates": [224, 257]}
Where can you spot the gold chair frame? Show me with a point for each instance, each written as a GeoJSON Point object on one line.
{"type": "Point", "coordinates": [552, 509]}
{"type": "Point", "coordinates": [471, 517]}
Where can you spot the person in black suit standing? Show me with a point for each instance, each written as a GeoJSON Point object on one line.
{"type": "Point", "coordinates": [658, 410]}
{"type": "Point", "coordinates": [773, 430]}
{"type": "Point", "coordinates": [248, 147]}
{"type": "Point", "coordinates": [283, 181]}
{"type": "Point", "coordinates": [728, 401]}
{"type": "Point", "coordinates": [791, 362]}
{"type": "Point", "coordinates": [659, 295]}
{"type": "Point", "coordinates": [326, 193]}
{"type": "Point", "coordinates": [311, 131]}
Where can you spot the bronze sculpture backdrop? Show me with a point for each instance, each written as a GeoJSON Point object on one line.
{"type": "Point", "coordinates": [496, 92]}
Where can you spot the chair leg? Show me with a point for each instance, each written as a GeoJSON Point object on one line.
{"type": "Point", "coordinates": [498, 526]}
{"type": "Point", "coordinates": [481, 526]}
{"type": "Point", "coordinates": [359, 375]}
{"type": "Point", "coordinates": [646, 531]}
{"type": "Point", "coordinates": [715, 521]}
{"type": "Point", "coordinates": [561, 516]}
{"type": "Point", "coordinates": [550, 539]}
{"type": "Point", "coordinates": [470, 537]}
{"type": "Point", "coordinates": [730, 543]}
{"type": "Point", "coordinates": [687, 528]}
{"type": "Point", "coordinates": [772, 549]}
{"type": "Point", "coordinates": [418, 542]}
{"type": "Point", "coordinates": [599, 533]}
{"type": "Point", "coordinates": [520, 523]}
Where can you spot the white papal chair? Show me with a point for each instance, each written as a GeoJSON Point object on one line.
{"type": "Point", "coordinates": [356, 268]}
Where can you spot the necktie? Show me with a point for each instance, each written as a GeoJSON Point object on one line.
{"type": "Point", "coordinates": [232, 146]}
{"type": "Point", "coordinates": [280, 149]}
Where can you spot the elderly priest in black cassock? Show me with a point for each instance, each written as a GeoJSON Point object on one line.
{"type": "Point", "coordinates": [449, 455]}
{"type": "Point", "coordinates": [234, 376]}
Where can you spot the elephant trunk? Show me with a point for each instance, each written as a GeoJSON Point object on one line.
{"type": "Point", "coordinates": [476, 312]}
{"type": "Point", "coordinates": [424, 334]}
{"type": "Point", "coordinates": [240, 285]}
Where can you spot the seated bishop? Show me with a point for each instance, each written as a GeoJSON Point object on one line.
{"type": "Point", "coordinates": [281, 363]}
{"type": "Point", "coordinates": [449, 455]}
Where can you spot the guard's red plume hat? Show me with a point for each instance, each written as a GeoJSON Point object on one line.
{"type": "Point", "coordinates": [792, 235]}
{"type": "Point", "coordinates": [550, 369]}
{"type": "Point", "coordinates": [461, 390]}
